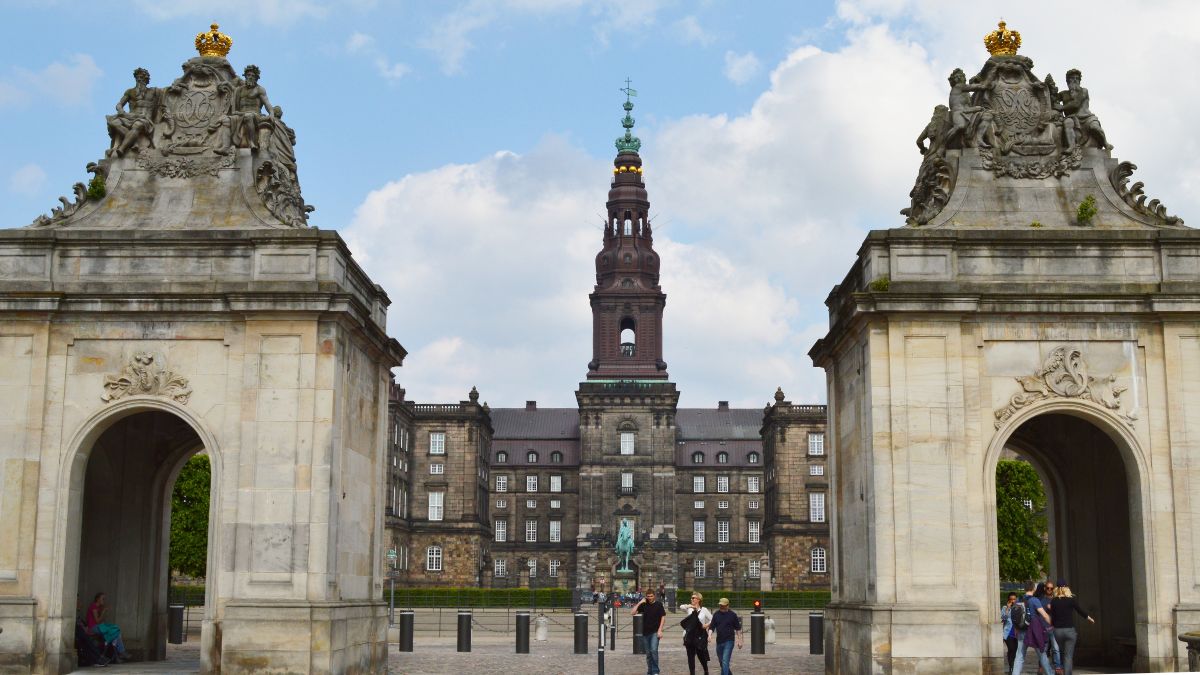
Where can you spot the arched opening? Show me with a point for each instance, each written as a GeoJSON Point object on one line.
{"type": "Point", "coordinates": [1090, 520]}
{"type": "Point", "coordinates": [628, 337]}
{"type": "Point", "coordinates": [127, 476]}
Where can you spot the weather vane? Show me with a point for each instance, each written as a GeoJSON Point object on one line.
{"type": "Point", "coordinates": [628, 90]}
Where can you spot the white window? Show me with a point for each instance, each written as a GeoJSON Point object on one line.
{"type": "Point", "coordinates": [501, 483]}
{"type": "Point", "coordinates": [531, 483]}
{"type": "Point", "coordinates": [722, 483]}
{"type": "Point", "coordinates": [531, 530]}
{"type": "Point", "coordinates": [752, 504]}
{"type": "Point", "coordinates": [752, 458]}
{"type": "Point", "coordinates": [816, 469]}
{"type": "Point", "coordinates": [816, 507]}
{"type": "Point", "coordinates": [556, 503]}
{"type": "Point", "coordinates": [698, 504]}
{"type": "Point", "coordinates": [554, 568]}
{"type": "Point", "coordinates": [502, 503]}
{"type": "Point", "coordinates": [437, 468]}
{"type": "Point", "coordinates": [502, 457]}
{"type": "Point", "coordinates": [433, 559]}
{"type": "Point", "coordinates": [722, 531]}
{"type": "Point", "coordinates": [556, 530]}
{"type": "Point", "coordinates": [755, 528]}
{"type": "Point", "coordinates": [755, 569]}
{"type": "Point", "coordinates": [532, 568]}
{"type": "Point", "coordinates": [436, 499]}
{"type": "Point", "coordinates": [697, 484]}
{"type": "Point", "coordinates": [556, 483]}
{"type": "Point", "coordinates": [437, 443]}
{"type": "Point", "coordinates": [627, 480]}
{"type": "Point", "coordinates": [752, 483]}
{"type": "Point", "coordinates": [818, 559]}
{"type": "Point", "coordinates": [531, 457]}
{"type": "Point", "coordinates": [722, 458]}
{"type": "Point", "coordinates": [627, 441]}
{"type": "Point", "coordinates": [698, 531]}
{"type": "Point", "coordinates": [501, 568]}
{"type": "Point", "coordinates": [531, 503]}
{"type": "Point", "coordinates": [720, 569]}
{"type": "Point", "coordinates": [701, 568]}
{"type": "Point", "coordinates": [816, 444]}
{"type": "Point", "coordinates": [502, 530]}
{"type": "Point", "coordinates": [722, 504]}
{"type": "Point", "coordinates": [1028, 503]}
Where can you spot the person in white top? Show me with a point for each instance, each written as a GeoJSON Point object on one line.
{"type": "Point", "coordinates": [695, 639]}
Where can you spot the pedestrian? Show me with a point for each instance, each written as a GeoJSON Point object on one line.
{"type": "Point", "coordinates": [1054, 652]}
{"type": "Point", "coordinates": [1036, 635]}
{"type": "Point", "coordinates": [653, 618]}
{"type": "Point", "coordinates": [1009, 633]}
{"type": "Point", "coordinates": [98, 625]}
{"type": "Point", "coordinates": [726, 626]}
{"type": "Point", "coordinates": [695, 636]}
{"type": "Point", "coordinates": [1062, 615]}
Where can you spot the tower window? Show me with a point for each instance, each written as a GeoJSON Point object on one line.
{"type": "Point", "coordinates": [628, 227]}
{"type": "Point", "coordinates": [628, 337]}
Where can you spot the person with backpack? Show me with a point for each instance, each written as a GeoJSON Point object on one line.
{"type": "Point", "coordinates": [1036, 632]}
{"type": "Point", "coordinates": [1010, 637]}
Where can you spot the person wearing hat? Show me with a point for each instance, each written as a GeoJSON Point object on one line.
{"type": "Point", "coordinates": [727, 627]}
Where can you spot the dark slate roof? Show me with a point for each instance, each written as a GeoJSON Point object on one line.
{"type": "Point", "coordinates": [518, 452]}
{"type": "Point", "coordinates": [702, 424]}
{"type": "Point", "coordinates": [739, 452]}
{"type": "Point", "coordinates": [542, 423]}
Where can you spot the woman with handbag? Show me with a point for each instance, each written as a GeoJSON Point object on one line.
{"type": "Point", "coordinates": [695, 636]}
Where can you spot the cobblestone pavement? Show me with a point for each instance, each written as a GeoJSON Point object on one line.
{"type": "Point", "coordinates": [495, 656]}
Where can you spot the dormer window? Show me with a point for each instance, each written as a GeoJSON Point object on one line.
{"type": "Point", "coordinates": [501, 457]}
{"type": "Point", "coordinates": [697, 458]}
{"type": "Point", "coordinates": [531, 457]}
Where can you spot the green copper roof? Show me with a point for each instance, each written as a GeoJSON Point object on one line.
{"type": "Point", "coordinates": [628, 142]}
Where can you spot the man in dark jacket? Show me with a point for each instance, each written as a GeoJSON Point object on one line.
{"type": "Point", "coordinates": [727, 626]}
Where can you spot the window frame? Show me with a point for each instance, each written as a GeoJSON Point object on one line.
{"type": "Point", "coordinates": [554, 565]}
{"type": "Point", "coordinates": [501, 482]}
{"type": "Point", "coordinates": [722, 484]}
{"type": "Point", "coordinates": [500, 531]}
{"type": "Point", "coordinates": [816, 507]}
{"type": "Point", "coordinates": [697, 457]}
{"type": "Point", "coordinates": [433, 554]}
{"type": "Point", "coordinates": [531, 530]}
{"type": "Point", "coordinates": [816, 469]}
{"type": "Point", "coordinates": [438, 447]}
{"type": "Point", "coordinates": [502, 457]}
{"type": "Point", "coordinates": [722, 503]}
{"type": "Point", "coordinates": [722, 457]}
{"type": "Point", "coordinates": [698, 534]}
{"type": "Point", "coordinates": [817, 559]}
{"type": "Point", "coordinates": [555, 531]}
{"type": "Point", "coordinates": [723, 531]}
{"type": "Point", "coordinates": [531, 482]}
{"type": "Point", "coordinates": [556, 482]}
{"type": "Point", "coordinates": [630, 448]}
{"type": "Point", "coordinates": [754, 484]}
{"type": "Point", "coordinates": [500, 567]}
{"type": "Point", "coordinates": [754, 531]}
{"type": "Point", "coordinates": [700, 568]}
{"type": "Point", "coordinates": [816, 444]}
{"type": "Point", "coordinates": [754, 569]}
{"type": "Point", "coordinates": [697, 485]}
{"type": "Point", "coordinates": [437, 469]}
{"type": "Point", "coordinates": [752, 458]}
{"type": "Point", "coordinates": [439, 509]}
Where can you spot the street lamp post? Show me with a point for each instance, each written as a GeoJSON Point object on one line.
{"type": "Point", "coordinates": [391, 556]}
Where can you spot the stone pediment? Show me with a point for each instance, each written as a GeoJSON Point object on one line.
{"type": "Point", "coordinates": [1012, 151]}
{"type": "Point", "coordinates": [207, 152]}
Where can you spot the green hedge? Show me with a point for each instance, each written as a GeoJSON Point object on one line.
{"type": "Point", "coordinates": [770, 599]}
{"type": "Point", "coordinates": [481, 597]}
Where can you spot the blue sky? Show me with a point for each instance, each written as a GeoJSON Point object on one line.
{"type": "Point", "coordinates": [463, 150]}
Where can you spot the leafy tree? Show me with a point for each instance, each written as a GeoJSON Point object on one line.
{"type": "Point", "coordinates": [189, 518]}
{"type": "Point", "coordinates": [1021, 525]}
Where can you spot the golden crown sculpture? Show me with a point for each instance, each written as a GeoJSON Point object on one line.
{"type": "Point", "coordinates": [1002, 42]}
{"type": "Point", "coordinates": [213, 42]}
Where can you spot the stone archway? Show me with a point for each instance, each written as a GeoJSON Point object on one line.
{"type": "Point", "coordinates": [1094, 473]}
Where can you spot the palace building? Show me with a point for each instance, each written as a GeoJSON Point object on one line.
{"type": "Point", "coordinates": [716, 497]}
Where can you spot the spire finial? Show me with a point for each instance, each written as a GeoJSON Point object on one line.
{"type": "Point", "coordinates": [628, 142]}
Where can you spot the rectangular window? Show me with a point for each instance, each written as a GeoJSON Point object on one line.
{"type": "Point", "coordinates": [437, 443]}
{"type": "Point", "coordinates": [818, 559]}
{"type": "Point", "coordinates": [722, 504]}
{"type": "Point", "coordinates": [752, 483]}
{"type": "Point", "coordinates": [556, 503]}
{"type": "Point", "coordinates": [816, 443]}
{"type": "Point", "coordinates": [701, 568]}
{"type": "Point", "coordinates": [556, 483]}
{"type": "Point", "coordinates": [531, 483]}
{"type": "Point", "coordinates": [501, 567]}
{"type": "Point", "coordinates": [752, 504]}
{"type": "Point", "coordinates": [532, 568]}
{"type": "Point", "coordinates": [698, 531]}
{"type": "Point", "coordinates": [722, 531]}
{"type": "Point", "coordinates": [554, 568]}
{"type": "Point", "coordinates": [720, 569]}
{"type": "Point", "coordinates": [755, 569]}
{"type": "Point", "coordinates": [698, 504]}
{"type": "Point", "coordinates": [501, 483]}
{"type": "Point", "coordinates": [722, 483]}
{"type": "Point", "coordinates": [627, 480]}
{"type": "Point", "coordinates": [502, 503]}
{"type": "Point", "coordinates": [437, 468]}
{"type": "Point", "coordinates": [433, 559]}
{"type": "Point", "coordinates": [816, 507]}
{"type": "Point", "coordinates": [556, 530]}
{"type": "Point", "coordinates": [436, 499]}
{"type": "Point", "coordinates": [816, 469]}
{"type": "Point", "coordinates": [531, 530]}
{"type": "Point", "coordinates": [627, 441]}
{"type": "Point", "coordinates": [501, 530]}
{"type": "Point", "coordinates": [531, 503]}
{"type": "Point", "coordinates": [697, 484]}
{"type": "Point", "coordinates": [755, 528]}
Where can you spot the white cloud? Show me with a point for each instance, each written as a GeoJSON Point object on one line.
{"type": "Point", "coordinates": [67, 84]}
{"type": "Point", "coordinates": [690, 31]}
{"type": "Point", "coordinates": [27, 180]}
{"type": "Point", "coordinates": [361, 44]}
{"type": "Point", "coordinates": [358, 42]}
{"type": "Point", "coordinates": [268, 12]}
{"type": "Point", "coordinates": [740, 68]}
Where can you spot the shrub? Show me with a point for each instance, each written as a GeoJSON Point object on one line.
{"type": "Point", "coordinates": [96, 189]}
{"type": "Point", "coordinates": [880, 285]}
{"type": "Point", "coordinates": [1086, 211]}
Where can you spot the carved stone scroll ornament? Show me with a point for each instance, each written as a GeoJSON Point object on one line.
{"type": "Point", "coordinates": [1135, 197]}
{"type": "Point", "coordinates": [82, 196]}
{"type": "Point", "coordinates": [144, 375]}
{"type": "Point", "coordinates": [280, 193]}
{"type": "Point", "coordinates": [1064, 375]}
{"type": "Point", "coordinates": [935, 182]}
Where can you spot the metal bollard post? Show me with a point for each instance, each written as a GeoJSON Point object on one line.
{"type": "Point", "coordinates": [758, 633]}
{"type": "Point", "coordinates": [464, 630]}
{"type": "Point", "coordinates": [406, 630]}
{"type": "Point", "coordinates": [581, 634]}
{"type": "Point", "coordinates": [816, 633]}
{"type": "Point", "coordinates": [175, 624]}
{"type": "Point", "coordinates": [522, 632]}
{"type": "Point", "coordinates": [639, 647]}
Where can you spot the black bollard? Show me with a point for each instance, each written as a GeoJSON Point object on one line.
{"type": "Point", "coordinates": [522, 632]}
{"type": "Point", "coordinates": [406, 630]}
{"type": "Point", "coordinates": [581, 636]}
{"type": "Point", "coordinates": [758, 633]}
{"type": "Point", "coordinates": [464, 630]}
{"type": "Point", "coordinates": [816, 633]}
{"type": "Point", "coordinates": [639, 647]}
